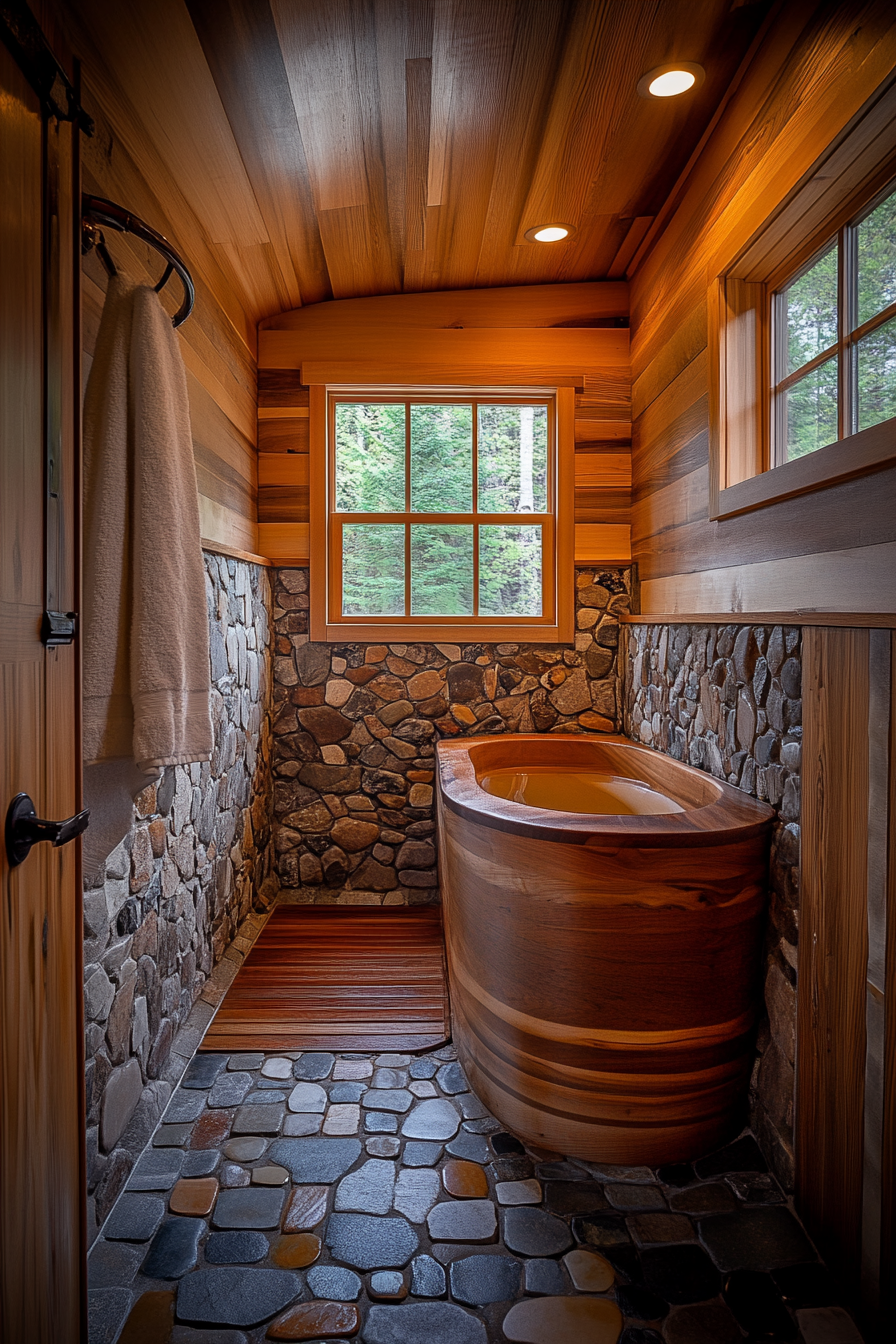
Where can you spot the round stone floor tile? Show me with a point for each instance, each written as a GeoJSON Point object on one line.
{"type": "Point", "coordinates": [511, 1193]}
{"type": "Point", "coordinates": [271, 1175]}
{"type": "Point", "coordinates": [235, 1248]}
{"type": "Point", "coordinates": [574, 1320]}
{"type": "Point", "coordinates": [464, 1180]}
{"type": "Point", "coordinates": [387, 1285]}
{"type": "Point", "coordinates": [248, 1149]}
{"type": "Point", "coordinates": [590, 1273]}
{"type": "Point", "coordinates": [710, 1323]}
{"type": "Point", "coordinates": [295, 1250]}
{"type": "Point", "coordinates": [424, 1323]}
{"type": "Point", "coordinates": [311, 1320]}
{"type": "Point", "coordinates": [534, 1232]}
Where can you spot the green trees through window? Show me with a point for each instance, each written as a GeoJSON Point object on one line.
{"type": "Point", "coordinates": [456, 476]}
{"type": "Point", "coordinates": [835, 338]}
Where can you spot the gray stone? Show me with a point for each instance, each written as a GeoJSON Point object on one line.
{"type": "Point", "coordinates": [301, 1126]}
{"type": "Point", "coordinates": [755, 1239]}
{"type": "Point", "coordinates": [233, 1177]}
{"type": "Point", "coordinates": [230, 1090]}
{"type": "Point", "coordinates": [333, 1283]}
{"type": "Point", "coordinates": [389, 1078]}
{"type": "Point", "coordinates": [383, 1145]}
{"type": "Point", "coordinates": [254, 1207]}
{"type": "Point", "coordinates": [450, 1078]}
{"type": "Point", "coordinates": [434, 1322]}
{"type": "Point", "coordinates": [533, 1232]}
{"type": "Point", "coordinates": [416, 1191]}
{"type": "Point", "coordinates": [428, 1277]}
{"type": "Point", "coordinates": [307, 1097]}
{"type": "Point", "coordinates": [183, 1334]}
{"type": "Point", "coordinates": [245, 1150]}
{"type": "Point", "coordinates": [253, 1061]}
{"type": "Point", "coordinates": [543, 1278]}
{"type": "Point", "coordinates": [827, 1325]}
{"type": "Point", "coordinates": [367, 1190]}
{"type": "Point", "coordinates": [315, 1161]}
{"type": "Point", "coordinates": [469, 1147]}
{"type": "Point", "coordinates": [387, 1099]}
{"type": "Point", "coordinates": [471, 1107]}
{"type": "Point", "coordinates": [392, 1061]}
{"type": "Point", "coordinates": [157, 1170]}
{"type": "Point", "coordinates": [481, 1279]}
{"type": "Point", "coordinates": [201, 1162]}
{"type": "Point", "coordinates": [635, 1198]}
{"type": "Point", "coordinates": [371, 1243]}
{"type": "Point", "coordinates": [347, 1093]}
{"type": "Point", "coordinates": [123, 1092]}
{"type": "Point", "coordinates": [432, 1120]}
{"type": "Point", "coordinates": [236, 1248]}
{"type": "Point", "coordinates": [174, 1248]}
{"type": "Point", "coordinates": [487, 1125]}
{"type": "Point", "coordinates": [263, 1119]}
{"type": "Point", "coordinates": [278, 1067]}
{"type": "Point", "coordinates": [184, 1106]}
{"type": "Point", "coordinates": [134, 1218]}
{"type": "Point", "coordinates": [424, 1068]}
{"type": "Point", "coordinates": [265, 1097]}
{"type": "Point", "coordinates": [313, 1066]}
{"type": "Point", "coordinates": [464, 1220]}
{"type": "Point", "coordinates": [203, 1070]}
{"type": "Point", "coordinates": [235, 1296]}
{"type": "Point", "coordinates": [171, 1136]}
{"type": "Point", "coordinates": [113, 1264]}
{"type": "Point", "coordinates": [380, 1122]}
{"type": "Point", "coordinates": [107, 1309]}
{"type": "Point", "coordinates": [419, 1153]}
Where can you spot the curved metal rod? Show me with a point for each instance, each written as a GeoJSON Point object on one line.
{"type": "Point", "coordinates": [97, 211]}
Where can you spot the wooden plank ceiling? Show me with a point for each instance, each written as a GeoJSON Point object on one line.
{"type": "Point", "coordinates": [341, 148]}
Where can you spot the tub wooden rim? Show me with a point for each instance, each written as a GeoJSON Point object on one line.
{"type": "Point", "coordinates": [717, 812]}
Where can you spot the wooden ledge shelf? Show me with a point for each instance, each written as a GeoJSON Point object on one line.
{"type": "Point", "coordinates": [873, 620]}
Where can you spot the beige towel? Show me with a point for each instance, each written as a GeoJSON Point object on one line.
{"type": "Point", "coordinates": [145, 624]}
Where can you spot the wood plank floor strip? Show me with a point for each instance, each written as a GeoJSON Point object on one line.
{"type": "Point", "coordinates": [339, 978]}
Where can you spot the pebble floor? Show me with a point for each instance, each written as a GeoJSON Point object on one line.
{"type": "Point", "coordinates": [323, 1197]}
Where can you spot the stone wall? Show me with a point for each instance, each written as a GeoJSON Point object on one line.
{"type": "Point", "coordinates": [356, 725]}
{"type": "Point", "coordinates": [176, 889]}
{"type": "Point", "coordinates": [728, 700]}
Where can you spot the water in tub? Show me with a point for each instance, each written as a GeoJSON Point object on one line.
{"type": "Point", "coordinates": [578, 791]}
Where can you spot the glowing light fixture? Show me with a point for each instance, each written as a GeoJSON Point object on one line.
{"type": "Point", "coordinates": [549, 233]}
{"type": "Point", "coordinates": [667, 81]}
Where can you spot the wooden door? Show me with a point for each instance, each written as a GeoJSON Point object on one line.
{"type": "Point", "coordinates": [41, 1053]}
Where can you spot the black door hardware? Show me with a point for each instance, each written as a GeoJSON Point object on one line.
{"type": "Point", "coordinates": [25, 828]}
{"type": "Point", "coordinates": [58, 627]}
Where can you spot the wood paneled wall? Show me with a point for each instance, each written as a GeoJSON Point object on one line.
{"type": "Point", "coordinates": [846, 1020]}
{"type": "Point", "coordinates": [813, 71]}
{"type": "Point", "coordinates": [552, 331]}
{"type": "Point", "coordinates": [218, 342]}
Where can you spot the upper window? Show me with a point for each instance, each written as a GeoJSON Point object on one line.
{"type": "Point", "coordinates": [441, 515]}
{"type": "Point", "coordinates": [834, 338]}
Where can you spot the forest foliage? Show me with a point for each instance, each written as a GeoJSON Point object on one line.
{"type": "Point", "coordinates": [417, 461]}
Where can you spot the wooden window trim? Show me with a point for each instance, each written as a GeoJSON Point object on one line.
{"type": "Point", "coordinates": [850, 175]}
{"type": "Point", "coordinates": [558, 536]}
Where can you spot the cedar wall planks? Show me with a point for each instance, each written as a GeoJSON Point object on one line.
{"type": "Point", "coordinates": [218, 345]}
{"type": "Point", "coordinates": [836, 547]}
{"type": "Point", "coordinates": [496, 333]}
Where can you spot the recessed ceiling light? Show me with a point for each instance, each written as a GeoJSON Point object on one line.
{"type": "Point", "coordinates": [667, 81]}
{"type": "Point", "coordinates": [549, 233]}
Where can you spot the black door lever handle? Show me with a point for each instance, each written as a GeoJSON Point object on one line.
{"type": "Point", "coordinates": [25, 828]}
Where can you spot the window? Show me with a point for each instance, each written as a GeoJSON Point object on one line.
{"type": "Point", "coordinates": [834, 338]}
{"type": "Point", "coordinates": [802, 332]}
{"type": "Point", "coordinates": [442, 516]}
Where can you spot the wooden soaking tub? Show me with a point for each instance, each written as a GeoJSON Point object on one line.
{"type": "Point", "coordinates": [604, 969]}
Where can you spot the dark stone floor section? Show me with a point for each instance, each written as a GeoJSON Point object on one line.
{"type": "Point", "coordinates": [397, 1211]}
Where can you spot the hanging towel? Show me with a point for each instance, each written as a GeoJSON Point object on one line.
{"type": "Point", "coordinates": [145, 623]}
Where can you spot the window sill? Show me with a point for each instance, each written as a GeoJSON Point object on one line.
{"type": "Point", "coordinates": [455, 633]}
{"type": "Point", "coordinates": [871, 450]}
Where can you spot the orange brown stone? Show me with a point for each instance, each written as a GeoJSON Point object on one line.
{"type": "Point", "coordinates": [151, 1320]}
{"type": "Point", "coordinates": [306, 1208]}
{"type": "Point", "coordinates": [465, 1180]}
{"type": "Point", "coordinates": [589, 1272]}
{"type": "Point", "coordinates": [195, 1198]}
{"type": "Point", "coordinates": [574, 1320]}
{"type": "Point", "coordinates": [211, 1129]}
{"type": "Point", "coordinates": [296, 1250]}
{"type": "Point", "coordinates": [312, 1320]}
